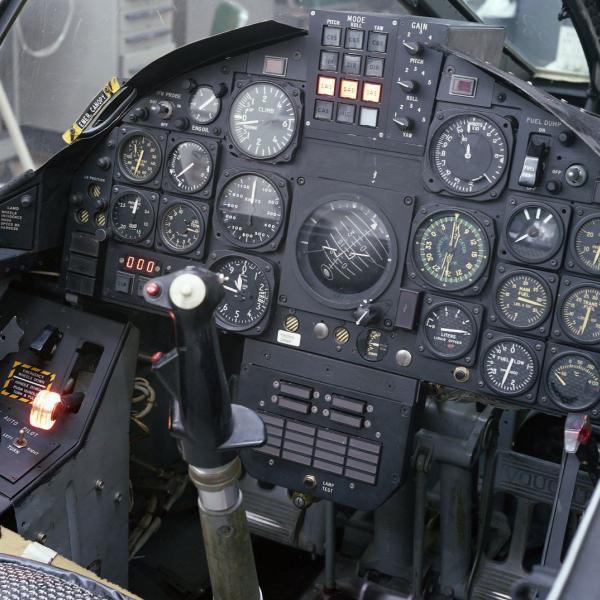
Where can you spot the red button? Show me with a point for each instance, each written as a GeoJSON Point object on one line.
{"type": "Point", "coordinates": [153, 289]}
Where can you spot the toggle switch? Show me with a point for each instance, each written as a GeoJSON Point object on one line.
{"type": "Point", "coordinates": [533, 165]}
{"type": "Point", "coordinates": [46, 342]}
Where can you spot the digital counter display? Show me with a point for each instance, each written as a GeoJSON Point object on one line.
{"type": "Point", "coordinates": [140, 264]}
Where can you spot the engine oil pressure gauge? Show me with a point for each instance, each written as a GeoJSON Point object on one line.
{"type": "Point", "coordinates": [573, 381]}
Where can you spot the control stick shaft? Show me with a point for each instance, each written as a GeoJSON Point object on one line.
{"type": "Point", "coordinates": [209, 429]}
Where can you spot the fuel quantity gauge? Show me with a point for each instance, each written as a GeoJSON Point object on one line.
{"type": "Point", "coordinates": [573, 381]}
{"type": "Point", "coordinates": [579, 315]}
{"type": "Point", "coordinates": [523, 300]}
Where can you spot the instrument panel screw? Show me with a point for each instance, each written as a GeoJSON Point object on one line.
{"type": "Point", "coordinates": [408, 200]}
{"type": "Point", "coordinates": [501, 269]}
{"type": "Point", "coordinates": [556, 333]}
{"type": "Point", "coordinates": [99, 485]}
{"type": "Point", "coordinates": [421, 349]}
{"type": "Point", "coordinates": [529, 396]}
{"type": "Point", "coordinates": [367, 424]}
{"type": "Point", "coordinates": [429, 301]}
{"type": "Point", "coordinates": [543, 399]}
{"type": "Point", "coordinates": [276, 384]}
{"type": "Point", "coordinates": [283, 299]}
{"type": "Point", "coordinates": [476, 310]}
{"type": "Point", "coordinates": [351, 485]}
{"type": "Point", "coordinates": [412, 275]}
{"type": "Point", "coordinates": [493, 318]}
{"type": "Point", "coordinates": [301, 181]}
{"type": "Point", "coordinates": [261, 403]}
{"type": "Point", "coordinates": [594, 412]}
{"type": "Point", "coordinates": [325, 412]}
{"type": "Point", "coordinates": [378, 434]}
{"type": "Point", "coordinates": [273, 398]}
{"type": "Point", "coordinates": [501, 97]}
{"type": "Point", "coordinates": [480, 384]}
{"type": "Point", "coordinates": [118, 497]}
{"type": "Point", "coordinates": [567, 282]}
{"type": "Point", "coordinates": [314, 410]}
{"type": "Point", "coordinates": [489, 336]}
{"type": "Point", "coordinates": [553, 263]}
{"type": "Point", "coordinates": [271, 462]}
{"type": "Point", "coordinates": [513, 201]}
{"type": "Point", "coordinates": [493, 194]}
{"type": "Point", "coordinates": [327, 397]}
{"type": "Point", "coordinates": [369, 408]}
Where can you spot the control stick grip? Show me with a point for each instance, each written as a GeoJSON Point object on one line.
{"type": "Point", "coordinates": [201, 413]}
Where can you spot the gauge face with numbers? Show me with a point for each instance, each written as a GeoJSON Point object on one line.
{"type": "Point", "coordinates": [181, 227]}
{"type": "Point", "coordinates": [534, 233]}
{"type": "Point", "coordinates": [523, 300]}
{"type": "Point", "coordinates": [587, 245]}
{"type": "Point", "coordinates": [573, 381]}
{"type": "Point", "coordinates": [509, 367]}
{"type": "Point", "coordinates": [204, 105]}
{"type": "Point", "coordinates": [579, 315]}
{"type": "Point", "coordinates": [469, 154]}
{"type": "Point", "coordinates": [449, 330]}
{"type": "Point", "coordinates": [190, 166]}
{"type": "Point", "coordinates": [139, 157]}
{"type": "Point", "coordinates": [262, 120]}
{"type": "Point", "coordinates": [250, 209]}
{"type": "Point", "coordinates": [247, 293]}
{"type": "Point", "coordinates": [132, 217]}
{"type": "Point", "coordinates": [451, 250]}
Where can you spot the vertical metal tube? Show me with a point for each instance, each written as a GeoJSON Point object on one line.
{"type": "Point", "coordinates": [330, 546]}
{"type": "Point", "coordinates": [455, 524]}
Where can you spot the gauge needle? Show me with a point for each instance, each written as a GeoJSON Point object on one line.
{"type": "Point", "coordinates": [461, 331]}
{"type": "Point", "coordinates": [139, 162]}
{"type": "Point", "coordinates": [468, 152]}
{"type": "Point", "coordinates": [249, 122]}
{"type": "Point", "coordinates": [136, 205]}
{"type": "Point", "coordinates": [230, 289]}
{"type": "Point", "coordinates": [510, 364]}
{"type": "Point", "coordinates": [185, 170]}
{"type": "Point", "coordinates": [332, 250]}
{"type": "Point", "coordinates": [205, 104]}
{"type": "Point", "coordinates": [560, 379]}
{"type": "Point", "coordinates": [597, 255]}
{"type": "Point", "coordinates": [585, 321]}
{"type": "Point", "coordinates": [521, 238]}
{"type": "Point", "coordinates": [528, 301]}
{"type": "Point", "coordinates": [238, 283]}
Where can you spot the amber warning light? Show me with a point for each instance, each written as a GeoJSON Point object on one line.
{"type": "Point", "coordinates": [45, 409]}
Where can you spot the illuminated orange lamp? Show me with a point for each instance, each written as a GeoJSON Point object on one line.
{"type": "Point", "coordinates": [349, 89]}
{"type": "Point", "coordinates": [326, 86]}
{"type": "Point", "coordinates": [45, 409]}
{"type": "Point", "coordinates": [371, 92]}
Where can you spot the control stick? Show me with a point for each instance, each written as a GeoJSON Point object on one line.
{"type": "Point", "coordinates": [209, 429]}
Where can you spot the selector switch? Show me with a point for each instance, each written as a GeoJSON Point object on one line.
{"type": "Point", "coordinates": [409, 86]}
{"type": "Point", "coordinates": [533, 165]}
{"type": "Point", "coordinates": [46, 343]}
{"type": "Point", "coordinates": [295, 391]}
{"type": "Point", "coordinates": [404, 123]}
{"type": "Point", "coordinates": [413, 48]}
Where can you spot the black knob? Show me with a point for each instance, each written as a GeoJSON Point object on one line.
{"type": "Point", "coordinates": [189, 85]}
{"type": "Point", "coordinates": [413, 48]}
{"type": "Point", "coordinates": [104, 163]}
{"type": "Point", "coordinates": [141, 113]}
{"type": "Point", "coordinates": [553, 186]}
{"type": "Point", "coordinates": [404, 123]}
{"type": "Point", "coordinates": [409, 86]}
{"type": "Point", "coordinates": [366, 314]}
{"type": "Point", "coordinates": [181, 123]}
{"type": "Point", "coordinates": [26, 200]}
{"type": "Point", "coordinates": [566, 138]}
{"type": "Point", "coordinates": [100, 203]}
{"type": "Point", "coordinates": [162, 109]}
{"type": "Point", "coordinates": [76, 199]}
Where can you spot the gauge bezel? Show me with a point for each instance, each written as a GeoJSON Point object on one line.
{"type": "Point", "coordinates": [315, 288]}
{"type": "Point", "coordinates": [268, 269]}
{"type": "Point", "coordinates": [431, 177]}
{"type": "Point", "coordinates": [508, 273]}
{"type": "Point", "coordinates": [431, 305]}
{"type": "Point", "coordinates": [485, 223]}
{"type": "Point", "coordinates": [200, 208]}
{"type": "Point", "coordinates": [562, 353]}
{"type": "Point", "coordinates": [150, 197]}
{"type": "Point", "coordinates": [126, 134]}
{"type": "Point", "coordinates": [551, 260]}
{"type": "Point", "coordinates": [189, 104]}
{"type": "Point", "coordinates": [565, 293]}
{"type": "Point", "coordinates": [576, 261]}
{"type": "Point", "coordinates": [213, 148]}
{"type": "Point", "coordinates": [281, 187]}
{"type": "Point", "coordinates": [293, 93]}
{"type": "Point", "coordinates": [526, 393]}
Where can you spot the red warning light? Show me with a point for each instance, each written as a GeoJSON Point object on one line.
{"type": "Point", "coordinates": [44, 409]}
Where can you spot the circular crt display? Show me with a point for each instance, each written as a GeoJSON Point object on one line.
{"type": "Point", "coordinates": [451, 250]}
{"type": "Point", "coordinates": [344, 248]}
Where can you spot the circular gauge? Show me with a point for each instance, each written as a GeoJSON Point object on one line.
{"type": "Point", "coordinates": [573, 381]}
{"type": "Point", "coordinates": [345, 252]}
{"type": "Point", "coordinates": [580, 314]}
{"type": "Point", "coordinates": [190, 167]}
{"type": "Point", "coordinates": [247, 293]}
{"type": "Point", "coordinates": [450, 330]}
{"type": "Point", "coordinates": [451, 250]}
{"type": "Point", "coordinates": [250, 210]}
{"type": "Point", "coordinates": [139, 157]}
{"type": "Point", "coordinates": [534, 233]}
{"type": "Point", "coordinates": [132, 217]}
{"type": "Point", "coordinates": [523, 300]}
{"type": "Point", "coordinates": [587, 245]}
{"type": "Point", "coordinates": [262, 120]}
{"type": "Point", "coordinates": [509, 367]}
{"type": "Point", "coordinates": [469, 154]}
{"type": "Point", "coordinates": [372, 345]}
{"type": "Point", "coordinates": [204, 105]}
{"type": "Point", "coordinates": [181, 227]}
